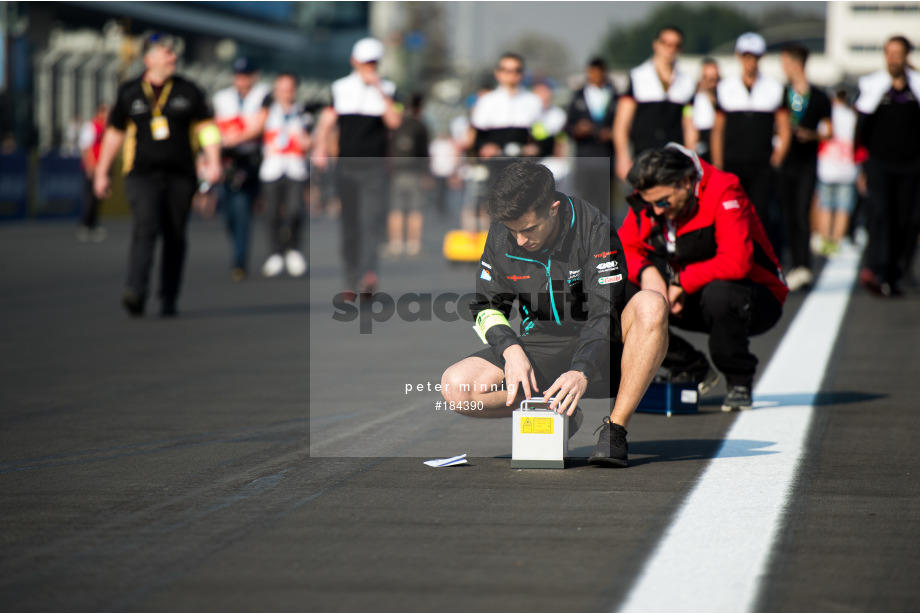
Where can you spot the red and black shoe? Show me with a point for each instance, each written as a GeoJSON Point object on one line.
{"type": "Point", "coordinates": [368, 284]}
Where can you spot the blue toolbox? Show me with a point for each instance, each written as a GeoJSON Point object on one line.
{"type": "Point", "coordinates": [666, 397]}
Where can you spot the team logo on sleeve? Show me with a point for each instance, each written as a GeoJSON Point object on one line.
{"type": "Point", "coordinates": [180, 103]}
{"type": "Point", "coordinates": [609, 280]}
{"type": "Point", "coordinates": [731, 204]}
{"type": "Point", "coordinates": [485, 275]}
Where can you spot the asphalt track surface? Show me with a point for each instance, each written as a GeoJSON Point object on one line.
{"type": "Point", "coordinates": [254, 454]}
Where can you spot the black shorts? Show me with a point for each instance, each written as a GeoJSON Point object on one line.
{"type": "Point", "coordinates": [551, 356]}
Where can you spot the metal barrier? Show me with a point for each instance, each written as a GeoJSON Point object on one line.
{"type": "Point", "coordinates": [59, 189]}
{"type": "Point", "coordinates": [14, 186]}
{"type": "Point", "coordinates": [81, 69]}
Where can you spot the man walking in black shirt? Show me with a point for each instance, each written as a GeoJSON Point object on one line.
{"type": "Point", "coordinates": [650, 114]}
{"type": "Point", "coordinates": [362, 106]}
{"type": "Point", "coordinates": [503, 118]}
{"type": "Point", "coordinates": [888, 125]}
{"type": "Point", "coordinates": [749, 111]}
{"type": "Point", "coordinates": [810, 118]}
{"type": "Point", "coordinates": [153, 116]}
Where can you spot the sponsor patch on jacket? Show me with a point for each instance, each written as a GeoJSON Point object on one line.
{"type": "Point", "coordinates": [485, 275]}
{"type": "Point", "coordinates": [605, 254]}
{"type": "Point", "coordinates": [485, 264]}
{"type": "Point", "coordinates": [179, 103]}
{"type": "Point", "coordinates": [609, 280]}
{"type": "Point", "coordinates": [731, 204]}
{"type": "Point", "coordinates": [139, 106]}
{"type": "Point", "coordinates": [606, 266]}
{"type": "Point", "coordinates": [517, 277]}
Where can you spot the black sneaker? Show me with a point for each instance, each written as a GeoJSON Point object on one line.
{"type": "Point", "coordinates": [611, 449]}
{"type": "Point", "coordinates": [738, 398]}
{"type": "Point", "coordinates": [701, 373]}
{"type": "Point", "coordinates": [133, 302]}
{"type": "Point", "coordinates": [168, 308]}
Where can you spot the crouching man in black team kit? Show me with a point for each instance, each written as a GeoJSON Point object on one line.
{"type": "Point", "coordinates": [154, 116]}
{"type": "Point", "coordinates": [562, 260]}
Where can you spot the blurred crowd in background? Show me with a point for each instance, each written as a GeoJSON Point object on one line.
{"type": "Point", "coordinates": [819, 171]}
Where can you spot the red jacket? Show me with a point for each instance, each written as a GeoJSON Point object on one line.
{"type": "Point", "coordinates": [722, 239]}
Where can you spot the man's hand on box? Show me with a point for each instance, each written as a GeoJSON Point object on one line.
{"type": "Point", "coordinates": [518, 371]}
{"type": "Point", "coordinates": [568, 390]}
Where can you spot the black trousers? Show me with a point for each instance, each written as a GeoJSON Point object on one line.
{"type": "Point", "coordinates": [797, 187]}
{"type": "Point", "coordinates": [285, 201]}
{"type": "Point", "coordinates": [551, 356]}
{"type": "Point", "coordinates": [90, 213]}
{"type": "Point", "coordinates": [160, 206]}
{"type": "Point", "coordinates": [704, 148]}
{"type": "Point", "coordinates": [758, 180]}
{"type": "Point", "coordinates": [362, 187]}
{"type": "Point", "coordinates": [730, 312]}
{"type": "Point", "coordinates": [893, 205]}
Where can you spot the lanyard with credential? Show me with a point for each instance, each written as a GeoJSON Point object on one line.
{"type": "Point", "coordinates": [159, 126]}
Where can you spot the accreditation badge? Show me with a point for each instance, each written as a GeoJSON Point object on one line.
{"type": "Point", "coordinates": [159, 128]}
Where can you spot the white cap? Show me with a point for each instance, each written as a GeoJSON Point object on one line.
{"type": "Point", "coordinates": [367, 50]}
{"type": "Point", "coordinates": [751, 42]}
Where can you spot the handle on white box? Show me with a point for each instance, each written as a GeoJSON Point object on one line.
{"type": "Point", "coordinates": [535, 404]}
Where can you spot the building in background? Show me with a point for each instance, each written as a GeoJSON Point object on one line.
{"type": "Point", "coordinates": [857, 31]}
{"type": "Point", "coordinates": [60, 59]}
{"type": "Point", "coordinates": [845, 46]}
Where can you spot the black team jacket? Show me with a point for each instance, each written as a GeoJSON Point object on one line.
{"type": "Point", "coordinates": [575, 288]}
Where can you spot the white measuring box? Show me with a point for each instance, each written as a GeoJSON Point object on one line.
{"type": "Point", "coordinates": [540, 436]}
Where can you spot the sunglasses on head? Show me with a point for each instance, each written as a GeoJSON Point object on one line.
{"type": "Point", "coordinates": [637, 202]}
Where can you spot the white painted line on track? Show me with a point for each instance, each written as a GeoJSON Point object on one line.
{"type": "Point", "coordinates": [716, 551]}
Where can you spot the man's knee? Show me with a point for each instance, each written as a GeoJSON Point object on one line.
{"type": "Point", "coordinates": [453, 387]}
{"type": "Point", "coordinates": [651, 309]}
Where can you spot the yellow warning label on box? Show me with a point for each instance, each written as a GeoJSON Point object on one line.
{"type": "Point", "coordinates": [537, 426]}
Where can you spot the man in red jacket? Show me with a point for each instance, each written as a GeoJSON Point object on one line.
{"type": "Point", "coordinates": [692, 234]}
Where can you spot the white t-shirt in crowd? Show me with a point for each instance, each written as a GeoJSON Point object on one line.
{"type": "Point", "coordinates": [231, 112]}
{"type": "Point", "coordinates": [282, 153]}
{"type": "Point", "coordinates": [835, 156]}
{"type": "Point", "coordinates": [502, 109]}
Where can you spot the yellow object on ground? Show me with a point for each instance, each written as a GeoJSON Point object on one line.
{"type": "Point", "coordinates": [464, 245]}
